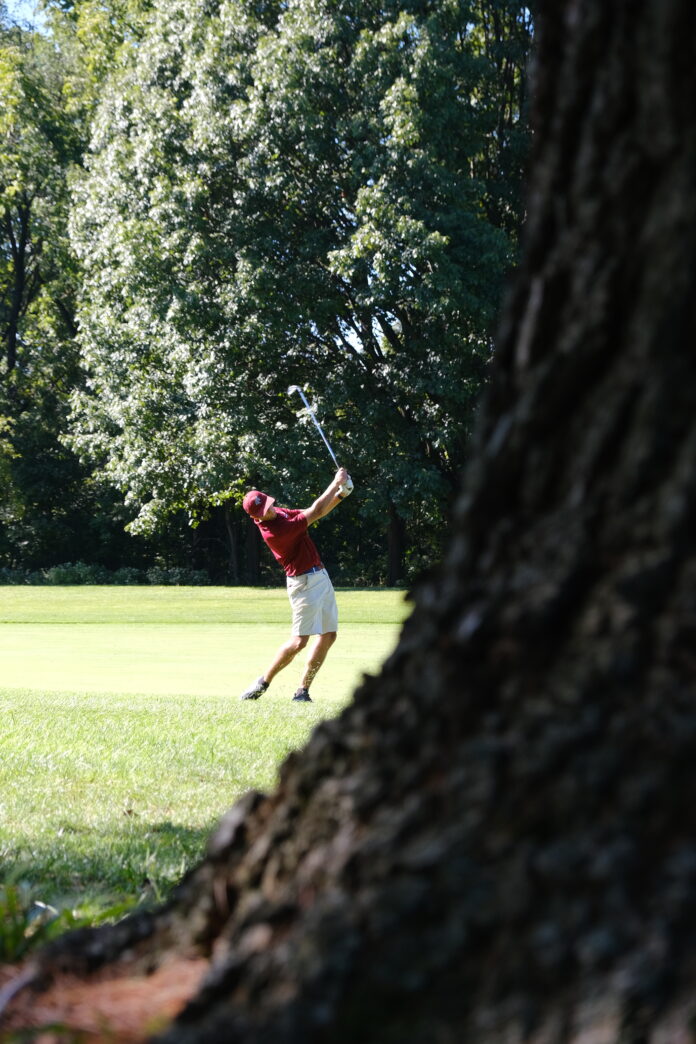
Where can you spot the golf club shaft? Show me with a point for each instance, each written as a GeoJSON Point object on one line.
{"type": "Point", "coordinates": [316, 422]}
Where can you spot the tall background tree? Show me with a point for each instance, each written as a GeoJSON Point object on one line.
{"type": "Point", "coordinates": [51, 508]}
{"type": "Point", "coordinates": [274, 193]}
{"type": "Point", "coordinates": [495, 841]}
{"type": "Point", "coordinates": [36, 283]}
{"type": "Point", "coordinates": [307, 193]}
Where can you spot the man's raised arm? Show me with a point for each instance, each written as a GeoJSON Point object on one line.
{"type": "Point", "coordinates": [328, 500]}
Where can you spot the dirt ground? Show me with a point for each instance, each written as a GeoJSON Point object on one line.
{"type": "Point", "coordinates": [111, 1006]}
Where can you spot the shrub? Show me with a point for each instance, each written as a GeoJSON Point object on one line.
{"type": "Point", "coordinates": [19, 576]}
{"type": "Point", "coordinates": [69, 573]}
{"type": "Point", "coordinates": [77, 573]}
{"type": "Point", "coordinates": [177, 576]}
{"type": "Point", "coordinates": [27, 923]}
{"type": "Point", "coordinates": [127, 576]}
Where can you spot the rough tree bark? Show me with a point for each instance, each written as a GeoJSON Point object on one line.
{"type": "Point", "coordinates": [495, 841]}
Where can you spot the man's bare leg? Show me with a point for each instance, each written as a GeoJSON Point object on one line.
{"type": "Point", "coordinates": [317, 655]}
{"type": "Point", "coordinates": [284, 656]}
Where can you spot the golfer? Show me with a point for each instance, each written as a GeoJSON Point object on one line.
{"type": "Point", "coordinates": [311, 593]}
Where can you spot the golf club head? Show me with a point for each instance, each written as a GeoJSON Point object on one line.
{"type": "Point", "coordinates": [300, 392]}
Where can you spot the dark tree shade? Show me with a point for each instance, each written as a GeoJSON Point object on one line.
{"type": "Point", "coordinates": [496, 840]}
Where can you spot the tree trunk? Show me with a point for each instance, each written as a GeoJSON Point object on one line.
{"type": "Point", "coordinates": [232, 532]}
{"type": "Point", "coordinates": [18, 239]}
{"type": "Point", "coordinates": [252, 555]}
{"type": "Point", "coordinates": [495, 841]}
{"type": "Point", "coordinates": [396, 547]}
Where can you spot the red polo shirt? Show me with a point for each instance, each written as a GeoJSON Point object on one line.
{"type": "Point", "coordinates": [289, 541]}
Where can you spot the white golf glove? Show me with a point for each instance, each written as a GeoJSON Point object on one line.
{"type": "Point", "coordinates": [346, 488]}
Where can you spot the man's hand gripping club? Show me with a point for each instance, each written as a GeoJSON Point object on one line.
{"type": "Point", "coordinates": [345, 483]}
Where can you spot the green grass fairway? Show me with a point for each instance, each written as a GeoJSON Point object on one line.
{"type": "Point", "coordinates": [123, 736]}
{"type": "Point", "coordinates": [198, 641]}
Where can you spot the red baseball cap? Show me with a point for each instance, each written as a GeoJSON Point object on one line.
{"type": "Point", "coordinates": [257, 503]}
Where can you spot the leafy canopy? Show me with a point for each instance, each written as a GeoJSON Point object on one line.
{"type": "Point", "coordinates": [291, 193]}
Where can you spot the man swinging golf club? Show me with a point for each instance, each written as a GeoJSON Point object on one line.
{"type": "Point", "coordinates": [310, 590]}
{"type": "Point", "coordinates": [311, 593]}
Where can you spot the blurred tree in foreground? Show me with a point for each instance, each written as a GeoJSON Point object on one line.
{"type": "Point", "coordinates": [495, 841]}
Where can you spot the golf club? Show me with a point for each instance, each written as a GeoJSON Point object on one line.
{"type": "Point", "coordinates": [347, 487]}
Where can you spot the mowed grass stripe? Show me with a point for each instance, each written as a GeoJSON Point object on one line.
{"type": "Point", "coordinates": [218, 660]}
{"type": "Point", "coordinates": [183, 605]}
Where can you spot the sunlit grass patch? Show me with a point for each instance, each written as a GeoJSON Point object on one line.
{"type": "Point", "coordinates": [124, 739]}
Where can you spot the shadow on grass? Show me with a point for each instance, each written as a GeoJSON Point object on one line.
{"type": "Point", "coordinates": [140, 862]}
{"type": "Point", "coordinates": [83, 878]}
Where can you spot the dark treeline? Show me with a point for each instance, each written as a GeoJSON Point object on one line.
{"type": "Point", "coordinates": [204, 202]}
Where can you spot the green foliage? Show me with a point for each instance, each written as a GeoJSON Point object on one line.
{"type": "Point", "coordinates": [228, 197]}
{"type": "Point", "coordinates": [37, 142]}
{"type": "Point", "coordinates": [48, 505]}
{"type": "Point", "coordinates": [79, 573]}
{"type": "Point", "coordinates": [27, 922]}
{"type": "Point", "coordinates": [74, 573]}
{"type": "Point", "coordinates": [51, 509]}
{"type": "Point", "coordinates": [93, 37]}
{"type": "Point", "coordinates": [296, 195]}
{"type": "Point", "coordinates": [177, 577]}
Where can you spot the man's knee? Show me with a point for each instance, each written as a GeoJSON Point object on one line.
{"type": "Point", "coordinates": [330, 637]}
{"type": "Point", "coordinates": [298, 641]}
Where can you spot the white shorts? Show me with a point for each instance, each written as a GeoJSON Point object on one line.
{"type": "Point", "coordinates": [313, 602]}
